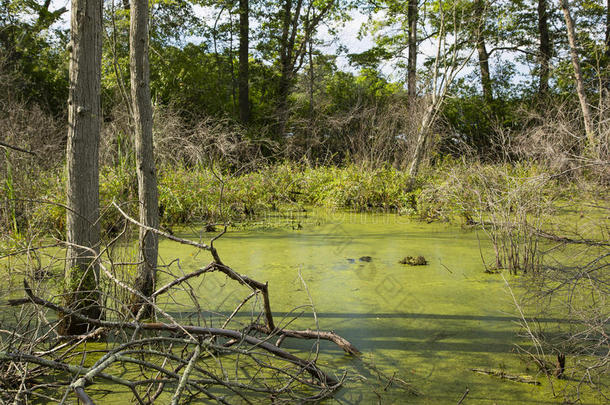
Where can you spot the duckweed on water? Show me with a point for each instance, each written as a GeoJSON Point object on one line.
{"type": "Point", "coordinates": [430, 328]}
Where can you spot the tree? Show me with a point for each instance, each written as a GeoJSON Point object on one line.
{"type": "Point", "coordinates": [396, 32]}
{"type": "Point", "coordinates": [33, 48]}
{"type": "Point", "coordinates": [145, 161]}
{"type": "Point", "coordinates": [287, 58]}
{"type": "Point", "coordinates": [243, 76]}
{"type": "Point", "coordinates": [578, 77]}
{"type": "Point", "coordinates": [84, 115]}
{"type": "Point", "coordinates": [545, 48]}
{"type": "Point", "coordinates": [449, 20]}
{"type": "Point", "coordinates": [412, 62]}
{"type": "Point", "coordinates": [290, 30]}
{"type": "Point", "coordinates": [480, 10]}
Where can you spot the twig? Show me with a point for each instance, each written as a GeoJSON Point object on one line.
{"type": "Point", "coordinates": [510, 377]}
{"type": "Point", "coordinates": [18, 149]}
{"type": "Point", "coordinates": [185, 375]}
{"type": "Point", "coordinates": [464, 396]}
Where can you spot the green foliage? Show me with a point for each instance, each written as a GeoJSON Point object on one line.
{"type": "Point", "coordinates": [357, 188]}
{"type": "Point", "coordinates": [195, 194]}
{"type": "Point", "coordinates": [34, 51]}
{"type": "Point", "coordinates": [453, 191]}
{"type": "Point", "coordinates": [335, 117]}
{"type": "Point", "coordinates": [199, 88]}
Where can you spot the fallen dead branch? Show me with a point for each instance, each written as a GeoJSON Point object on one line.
{"type": "Point", "coordinates": [218, 265]}
{"type": "Point", "coordinates": [310, 334]}
{"type": "Point", "coordinates": [168, 358]}
{"type": "Point", "coordinates": [525, 379]}
{"type": "Point", "coordinates": [193, 330]}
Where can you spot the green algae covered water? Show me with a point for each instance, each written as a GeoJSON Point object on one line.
{"type": "Point", "coordinates": [427, 325]}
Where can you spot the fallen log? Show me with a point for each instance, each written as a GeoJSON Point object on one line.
{"type": "Point", "coordinates": [525, 379]}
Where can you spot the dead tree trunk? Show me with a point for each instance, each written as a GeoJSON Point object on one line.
{"type": "Point", "coordinates": [145, 161]}
{"type": "Point", "coordinates": [580, 87]}
{"type": "Point", "coordinates": [82, 189]}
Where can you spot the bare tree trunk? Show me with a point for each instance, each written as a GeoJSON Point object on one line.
{"type": "Point", "coordinates": [545, 47]}
{"type": "Point", "coordinates": [422, 135]}
{"type": "Point", "coordinates": [412, 16]}
{"type": "Point", "coordinates": [244, 90]}
{"type": "Point", "coordinates": [482, 52]}
{"type": "Point", "coordinates": [608, 28]}
{"type": "Point", "coordinates": [312, 79]}
{"type": "Point", "coordinates": [484, 68]}
{"type": "Point", "coordinates": [84, 121]}
{"type": "Point", "coordinates": [580, 87]}
{"type": "Point", "coordinates": [145, 161]}
{"type": "Point", "coordinates": [286, 49]}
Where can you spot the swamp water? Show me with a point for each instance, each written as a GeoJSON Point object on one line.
{"type": "Point", "coordinates": [428, 324]}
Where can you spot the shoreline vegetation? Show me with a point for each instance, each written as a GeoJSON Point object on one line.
{"type": "Point", "coordinates": [451, 193]}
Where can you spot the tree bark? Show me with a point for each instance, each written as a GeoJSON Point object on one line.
{"type": "Point", "coordinates": [243, 79]}
{"type": "Point", "coordinates": [82, 188]}
{"type": "Point", "coordinates": [145, 161]}
{"type": "Point", "coordinates": [545, 47]}
{"type": "Point", "coordinates": [412, 16]}
{"type": "Point", "coordinates": [298, 28]}
{"type": "Point", "coordinates": [422, 135]}
{"type": "Point", "coordinates": [289, 28]}
{"type": "Point", "coordinates": [580, 87]}
{"type": "Point", "coordinates": [608, 28]}
{"type": "Point", "coordinates": [480, 10]}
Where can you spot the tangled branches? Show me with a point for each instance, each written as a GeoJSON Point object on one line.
{"type": "Point", "coordinates": [571, 288]}
{"type": "Point", "coordinates": [166, 359]}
